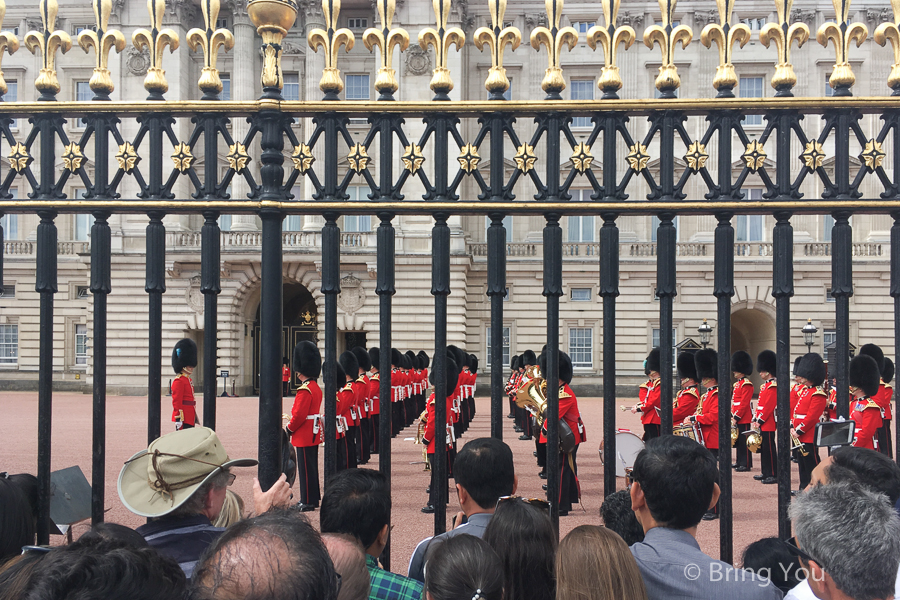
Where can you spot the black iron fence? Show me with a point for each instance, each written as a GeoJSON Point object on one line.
{"type": "Point", "coordinates": [615, 164]}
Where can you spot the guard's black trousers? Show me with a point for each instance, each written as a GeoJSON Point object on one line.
{"type": "Point", "coordinates": [768, 455]}
{"type": "Point", "coordinates": [744, 456]}
{"type": "Point", "coordinates": [308, 468]}
{"type": "Point", "coordinates": [806, 464]}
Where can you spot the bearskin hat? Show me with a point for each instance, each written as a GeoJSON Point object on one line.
{"type": "Point", "coordinates": [766, 361]}
{"type": "Point", "coordinates": [646, 368]}
{"type": "Point", "coordinates": [362, 357]}
{"type": "Point", "coordinates": [653, 363]}
{"type": "Point", "coordinates": [514, 363]}
{"type": "Point", "coordinates": [686, 367]}
{"type": "Point", "coordinates": [812, 368]}
{"type": "Point", "coordinates": [396, 358]}
{"type": "Point", "coordinates": [459, 357]}
{"type": "Point", "coordinates": [565, 366]}
{"type": "Point", "coordinates": [473, 364]}
{"type": "Point", "coordinates": [707, 363]}
{"type": "Point", "coordinates": [184, 354]}
{"type": "Point", "coordinates": [413, 361]}
{"type": "Point", "coordinates": [423, 356]}
{"type": "Point", "coordinates": [529, 358]}
{"type": "Point", "coordinates": [307, 359]}
{"type": "Point", "coordinates": [452, 376]}
{"type": "Point", "coordinates": [741, 363]}
{"type": "Point", "coordinates": [864, 374]}
{"type": "Point", "coordinates": [375, 357]}
{"type": "Point", "coordinates": [888, 374]}
{"type": "Point", "coordinates": [349, 364]}
{"type": "Point", "coordinates": [796, 364]}
{"type": "Point", "coordinates": [875, 352]}
{"type": "Point", "coordinates": [340, 378]}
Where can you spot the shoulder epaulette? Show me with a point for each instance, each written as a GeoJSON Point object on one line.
{"type": "Point", "coordinates": [819, 391]}
{"type": "Point", "coordinates": [871, 404]}
{"type": "Point", "coordinates": [747, 382]}
{"type": "Point", "coordinates": [644, 385]}
{"type": "Point", "coordinates": [361, 378]}
{"type": "Point", "coordinates": [564, 394]}
{"type": "Point", "coordinates": [692, 390]}
{"type": "Point", "coordinates": [887, 386]}
{"type": "Point", "coordinates": [376, 377]}
{"type": "Point", "coordinates": [348, 386]}
{"type": "Point", "coordinates": [304, 385]}
{"type": "Point", "coordinates": [179, 375]}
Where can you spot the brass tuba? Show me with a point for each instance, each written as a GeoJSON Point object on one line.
{"type": "Point", "coordinates": [754, 441]}
{"type": "Point", "coordinates": [420, 437]}
{"type": "Point", "coordinates": [532, 396]}
{"type": "Point", "coordinates": [735, 433]}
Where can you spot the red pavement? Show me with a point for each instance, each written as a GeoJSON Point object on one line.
{"type": "Point", "coordinates": [755, 505]}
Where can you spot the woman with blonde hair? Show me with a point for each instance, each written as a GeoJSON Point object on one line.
{"type": "Point", "coordinates": [593, 563]}
{"type": "Point", "coordinates": [232, 510]}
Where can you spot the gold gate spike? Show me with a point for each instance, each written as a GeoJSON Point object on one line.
{"type": "Point", "coordinates": [725, 34]}
{"type": "Point", "coordinates": [272, 18]}
{"type": "Point", "coordinates": [103, 41]}
{"type": "Point", "coordinates": [841, 35]}
{"type": "Point", "coordinates": [441, 39]}
{"type": "Point", "coordinates": [8, 43]}
{"type": "Point", "coordinates": [331, 42]}
{"type": "Point", "coordinates": [210, 41]}
{"type": "Point", "coordinates": [155, 41]}
{"type": "Point", "coordinates": [667, 36]}
{"type": "Point", "coordinates": [497, 38]}
{"type": "Point", "coordinates": [885, 32]}
{"type": "Point", "coordinates": [784, 33]}
{"type": "Point", "coordinates": [554, 39]}
{"type": "Point", "coordinates": [610, 37]}
{"type": "Point", "coordinates": [48, 42]}
{"type": "Point", "coordinates": [386, 39]}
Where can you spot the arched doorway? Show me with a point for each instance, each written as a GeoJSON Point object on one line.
{"type": "Point", "coordinates": [752, 330]}
{"type": "Point", "coordinates": [299, 320]}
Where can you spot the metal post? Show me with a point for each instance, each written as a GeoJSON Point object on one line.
{"type": "Point", "coordinates": [895, 294]}
{"type": "Point", "coordinates": [210, 267]}
{"type": "Point", "coordinates": [723, 291]}
{"type": "Point", "coordinates": [331, 287]}
{"type": "Point", "coordinates": [609, 291]}
{"type": "Point", "coordinates": [666, 291]}
{"type": "Point", "coordinates": [384, 288]}
{"type": "Point", "coordinates": [440, 289]}
{"type": "Point", "coordinates": [783, 290]}
{"type": "Point", "coordinates": [155, 286]}
{"type": "Point", "coordinates": [497, 291]}
{"type": "Point", "coordinates": [841, 290]}
{"type": "Point", "coordinates": [46, 286]}
{"type": "Point", "coordinates": [553, 291]}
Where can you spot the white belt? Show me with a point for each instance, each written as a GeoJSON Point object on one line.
{"type": "Point", "coordinates": [353, 412]}
{"type": "Point", "coordinates": [341, 424]}
{"type": "Point", "coordinates": [451, 434]}
{"type": "Point", "coordinates": [799, 416]}
{"type": "Point", "coordinates": [316, 419]}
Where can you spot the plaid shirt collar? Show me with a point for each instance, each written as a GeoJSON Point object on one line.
{"type": "Point", "coordinates": [390, 586]}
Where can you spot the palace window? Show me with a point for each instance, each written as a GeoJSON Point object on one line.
{"type": "Point", "coordinates": [83, 93]}
{"type": "Point", "coordinates": [83, 222]}
{"type": "Point", "coordinates": [654, 342]}
{"type": "Point", "coordinates": [226, 87]}
{"type": "Point", "coordinates": [582, 89]}
{"type": "Point", "coordinates": [581, 346]}
{"type": "Point", "coordinates": [505, 359]}
{"type": "Point", "coordinates": [507, 224]}
{"type": "Point", "coordinates": [81, 344]}
{"type": "Point", "coordinates": [291, 90]}
{"type": "Point", "coordinates": [9, 344]}
{"type": "Point", "coordinates": [581, 228]}
{"type": "Point", "coordinates": [580, 294]}
{"type": "Point", "coordinates": [12, 95]}
{"type": "Point", "coordinates": [357, 87]}
{"type": "Point", "coordinates": [751, 87]}
{"type": "Point", "coordinates": [582, 27]}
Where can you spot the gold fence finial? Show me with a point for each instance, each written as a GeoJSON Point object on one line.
{"type": "Point", "coordinates": [103, 41]}
{"type": "Point", "coordinates": [155, 41]}
{"type": "Point", "coordinates": [8, 43]}
{"type": "Point", "coordinates": [891, 32]}
{"type": "Point", "coordinates": [667, 36]}
{"type": "Point", "coordinates": [841, 34]}
{"type": "Point", "coordinates": [784, 34]}
{"type": "Point", "coordinates": [554, 39]}
{"type": "Point", "coordinates": [610, 37]}
{"type": "Point", "coordinates": [272, 18]}
{"type": "Point", "coordinates": [441, 38]}
{"type": "Point", "coordinates": [209, 41]}
{"type": "Point", "coordinates": [48, 42]}
{"type": "Point", "coordinates": [497, 37]}
{"type": "Point", "coordinates": [725, 33]}
{"type": "Point", "coordinates": [386, 39]}
{"type": "Point", "coordinates": [331, 41]}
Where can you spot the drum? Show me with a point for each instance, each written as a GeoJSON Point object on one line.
{"type": "Point", "coordinates": [628, 446]}
{"type": "Point", "coordinates": [690, 430]}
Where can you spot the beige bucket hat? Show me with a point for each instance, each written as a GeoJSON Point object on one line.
{"type": "Point", "coordinates": [156, 481]}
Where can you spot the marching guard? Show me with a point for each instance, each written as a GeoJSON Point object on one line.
{"type": "Point", "coordinates": [184, 406]}
{"type": "Point", "coordinates": [865, 379]}
{"type": "Point", "coordinates": [363, 441]}
{"type": "Point", "coordinates": [374, 394]}
{"type": "Point", "coordinates": [351, 413]}
{"type": "Point", "coordinates": [650, 407]}
{"type": "Point", "coordinates": [688, 396]}
{"type": "Point", "coordinates": [810, 406]}
{"type": "Point", "coordinates": [742, 407]}
{"type": "Point", "coordinates": [432, 430]}
{"type": "Point", "coordinates": [345, 398]}
{"type": "Point", "coordinates": [764, 417]}
{"type": "Point", "coordinates": [707, 416]}
{"type": "Point", "coordinates": [306, 426]}
{"type": "Point", "coordinates": [887, 375]}
{"type": "Point", "coordinates": [884, 395]}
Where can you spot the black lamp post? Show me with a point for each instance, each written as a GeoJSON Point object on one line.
{"type": "Point", "coordinates": [809, 334]}
{"type": "Point", "coordinates": [705, 332]}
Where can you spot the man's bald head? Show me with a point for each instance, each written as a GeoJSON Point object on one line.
{"type": "Point", "coordinates": [349, 560]}
{"type": "Point", "coordinates": [276, 556]}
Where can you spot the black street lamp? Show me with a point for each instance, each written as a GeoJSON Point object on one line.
{"type": "Point", "coordinates": [705, 332]}
{"type": "Point", "coordinates": [809, 334]}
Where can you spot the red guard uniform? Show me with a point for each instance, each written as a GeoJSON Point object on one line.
{"type": "Point", "coordinates": [346, 397]}
{"type": "Point", "coordinates": [569, 486]}
{"type": "Point", "coordinates": [650, 410]}
{"type": "Point", "coordinates": [765, 418]}
{"type": "Point", "coordinates": [430, 434]}
{"type": "Point", "coordinates": [810, 407]}
{"type": "Point", "coordinates": [742, 413]}
{"type": "Point", "coordinates": [375, 409]}
{"type": "Point", "coordinates": [285, 379]}
{"type": "Point", "coordinates": [364, 439]}
{"type": "Point", "coordinates": [306, 427]}
{"type": "Point", "coordinates": [685, 404]}
{"type": "Point", "coordinates": [867, 414]}
{"type": "Point", "coordinates": [184, 407]}
{"type": "Point", "coordinates": [707, 416]}
{"type": "Point", "coordinates": [795, 395]}
{"type": "Point", "coordinates": [883, 400]}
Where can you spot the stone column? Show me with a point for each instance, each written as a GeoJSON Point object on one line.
{"type": "Point", "coordinates": [244, 84]}
{"type": "Point", "coordinates": [315, 65]}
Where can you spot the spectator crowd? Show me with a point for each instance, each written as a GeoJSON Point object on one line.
{"type": "Point", "coordinates": [202, 543]}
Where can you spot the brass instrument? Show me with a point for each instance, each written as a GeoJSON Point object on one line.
{"type": "Point", "coordinates": [754, 441]}
{"type": "Point", "coordinates": [532, 396]}
{"type": "Point", "coordinates": [796, 444]}
{"type": "Point", "coordinates": [734, 435]}
{"type": "Point", "coordinates": [420, 438]}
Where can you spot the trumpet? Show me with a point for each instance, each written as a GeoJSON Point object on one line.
{"type": "Point", "coordinates": [420, 438]}
{"type": "Point", "coordinates": [797, 445]}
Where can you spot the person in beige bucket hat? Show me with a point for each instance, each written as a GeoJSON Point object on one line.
{"type": "Point", "coordinates": [180, 482]}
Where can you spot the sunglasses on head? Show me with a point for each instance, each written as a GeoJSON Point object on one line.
{"type": "Point", "coordinates": [536, 502]}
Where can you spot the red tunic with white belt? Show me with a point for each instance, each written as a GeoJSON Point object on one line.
{"type": "Point", "coordinates": [809, 409]}
{"type": "Point", "coordinates": [651, 404]}
{"type": "Point", "coordinates": [867, 415]}
{"type": "Point", "coordinates": [306, 425]}
{"type": "Point", "coordinates": [742, 401]}
{"type": "Point", "coordinates": [374, 393]}
{"type": "Point", "coordinates": [708, 417]}
{"type": "Point", "coordinates": [183, 399]}
{"type": "Point", "coordinates": [685, 404]}
{"type": "Point", "coordinates": [765, 407]}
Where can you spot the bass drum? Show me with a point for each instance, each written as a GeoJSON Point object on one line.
{"type": "Point", "coordinates": [628, 446]}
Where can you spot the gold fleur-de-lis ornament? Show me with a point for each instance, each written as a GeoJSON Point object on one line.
{"type": "Point", "coordinates": [554, 39]}
{"type": "Point", "coordinates": [890, 32]}
{"type": "Point", "coordinates": [784, 33]}
{"type": "Point", "coordinates": [155, 41]}
{"type": "Point", "coordinates": [386, 39]}
{"type": "Point", "coordinates": [8, 43]}
{"type": "Point", "coordinates": [667, 36]}
{"type": "Point", "coordinates": [48, 41]}
{"type": "Point", "coordinates": [210, 41]}
{"type": "Point", "coordinates": [610, 38]}
{"type": "Point", "coordinates": [103, 41]}
{"type": "Point", "coordinates": [497, 37]}
{"type": "Point", "coordinates": [725, 34]}
{"type": "Point", "coordinates": [441, 38]}
{"type": "Point", "coordinates": [330, 41]}
{"type": "Point", "coordinates": [842, 34]}
{"type": "Point", "coordinates": [272, 18]}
